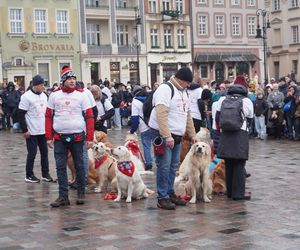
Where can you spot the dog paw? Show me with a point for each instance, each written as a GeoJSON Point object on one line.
{"type": "Point", "coordinates": [128, 200]}
{"type": "Point", "coordinates": [193, 200]}
{"type": "Point", "coordinates": [117, 199]}
{"type": "Point", "coordinates": [206, 199]}
{"type": "Point", "coordinates": [97, 190]}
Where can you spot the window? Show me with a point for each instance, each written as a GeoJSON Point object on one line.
{"type": "Point", "coordinates": [295, 34]}
{"type": "Point", "coordinates": [62, 21]}
{"type": "Point", "coordinates": [154, 38]}
{"type": "Point", "coordinates": [122, 34]}
{"type": "Point", "coordinates": [179, 6]}
{"type": "Point", "coordinates": [115, 71]}
{"type": "Point", "coordinates": [15, 20]}
{"type": "Point", "coordinates": [121, 4]}
{"type": "Point", "coordinates": [219, 25]}
{"type": "Point", "coordinates": [277, 37]}
{"type": "Point", "coordinates": [251, 26]}
{"type": "Point", "coordinates": [166, 5]}
{"type": "Point", "coordinates": [235, 2]}
{"type": "Point", "coordinates": [19, 62]}
{"type": "Point", "coordinates": [295, 66]}
{"type": "Point", "coordinates": [236, 26]}
{"type": "Point", "coordinates": [152, 6]}
{"type": "Point", "coordinates": [62, 64]}
{"type": "Point", "coordinates": [180, 37]}
{"type": "Point", "coordinates": [276, 4]}
{"type": "Point", "coordinates": [202, 25]}
{"type": "Point", "coordinates": [43, 71]}
{"type": "Point", "coordinates": [93, 34]}
{"type": "Point", "coordinates": [168, 38]}
{"type": "Point", "coordinates": [251, 2]}
{"type": "Point", "coordinates": [276, 70]}
{"type": "Point", "coordinates": [204, 70]}
{"type": "Point", "coordinates": [294, 3]}
{"type": "Point", "coordinates": [40, 22]}
{"type": "Point", "coordinates": [219, 1]}
{"type": "Point", "coordinates": [202, 1]}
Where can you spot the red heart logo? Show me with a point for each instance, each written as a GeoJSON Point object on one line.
{"type": "Point", "coordinates": [67, 102]}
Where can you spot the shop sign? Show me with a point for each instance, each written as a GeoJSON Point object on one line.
{"type": "Point", "coordinates": [25, 46]}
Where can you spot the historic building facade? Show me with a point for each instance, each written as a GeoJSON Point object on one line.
{"type": "Point", "coordinates": [283, 38]}
{"type": "Point", "coordinates": [113, 41]}
{"type": "Point", "coordinates": [223, 37]}
{"type": "Point", "coordinates": [168, 37]}
{"type": "Point", "coordinates": [38, 37]}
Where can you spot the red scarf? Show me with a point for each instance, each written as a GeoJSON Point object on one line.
{"type": "Point", "coordinates": [126, 167]}
{"type": "Point", "coordinates": [99, 162]}
{"type": "Point", "coordinates": [67, 90]}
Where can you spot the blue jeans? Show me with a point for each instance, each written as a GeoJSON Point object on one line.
{"type": "Point", "coordinates": [147, 138]}
{"type": "Point", "coordinates": [32, 143]}
{"type": "Point", "coordinates": [117, 118]}
{"type": "Point", "coordinates": [60, 154]}
{"type": "Point", "coordinates": [85, 161]}
{"type": "Point", "coordinates": [260, 125]}
{"type": "Point", "coordinates": [290, 125]}
{"type": "Point", "coordinates": [166, 169]}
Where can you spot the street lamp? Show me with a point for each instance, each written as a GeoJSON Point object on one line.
{"type": "Point", "coordinates": [265, 25]}
{"type": "Point", "coordinates": [137, 24]}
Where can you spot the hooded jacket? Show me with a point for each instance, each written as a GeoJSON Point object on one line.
{"type": "Point", "coordinates": [11, 97]}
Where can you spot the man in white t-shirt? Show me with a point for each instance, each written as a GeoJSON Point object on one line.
{"type": "Point", "coordinates": [170, 119]}
{"type": "Point", "coordinates": [69, 128]}
{"type": "Point", "coordinates": [31, 114]}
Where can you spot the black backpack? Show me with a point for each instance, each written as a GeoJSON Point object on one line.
{"type": "Point", "coordinates": [232, 115]}
{"type": "Point", "coordinates": [148, 106]}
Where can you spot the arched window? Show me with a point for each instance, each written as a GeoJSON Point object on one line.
{"type": "Point", "coordinates": [242, 68]}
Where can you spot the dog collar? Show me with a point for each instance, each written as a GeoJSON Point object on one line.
{"type": "Point", "coordinates": [126, 167]}
{"type": "Point", "coordinates": [99, 162]}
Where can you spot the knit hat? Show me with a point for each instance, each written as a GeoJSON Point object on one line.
{"type": "Point", "coordinates": [184, 74]}
{"type": "Point", "coordinates": [37, 80]}
{"type": "Point", "coordinates": [66, 73]}
{"type": "Point", "coordinates": [241, 81]}
{"type": "Point", "coordinates": [136, 89]}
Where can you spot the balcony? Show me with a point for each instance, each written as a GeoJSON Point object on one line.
{"type": "Point", "coordinates": [127, 50]}
{"type": "Point", "coordinates": [170, 16]}
{"type": "Point", "coordinates": [97, 11]}
{"type": "Point", "coordinates": [99, 50]}
{"type": "Point", "coordinates": [125, 13]}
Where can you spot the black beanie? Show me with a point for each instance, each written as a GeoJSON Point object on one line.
{"type": "Point", "coordinates": [37, 80]}
{"type": "Point", "coordinates": [184, 74]}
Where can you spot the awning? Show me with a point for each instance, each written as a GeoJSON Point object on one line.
{"type": "Point", "coordinates": [225, 57]}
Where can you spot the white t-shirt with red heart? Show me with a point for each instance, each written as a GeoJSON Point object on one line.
{"type": "Point", "coordinates": [68, 107]}
{"type": "Point", "coordinates": [35, 105]}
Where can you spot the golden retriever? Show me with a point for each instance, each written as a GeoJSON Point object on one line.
{"type": "Point", "coordinates": [105, 167]}
{"type": "Point", "coordinates": [99, 136]}
{"type": "Point", "coordinates": [217, 177]}
{"type": "Point", "coordinates": [129, 181]}
{"type": "Point", "coordinates": [198, 160]}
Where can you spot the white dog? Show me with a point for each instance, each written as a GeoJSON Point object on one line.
{"type": "Point", "coordinates": [198, 160]}
{"type": "Point", "coordinates": [129, 181]}
{"type": "Point", "coordinates": [105, 167]}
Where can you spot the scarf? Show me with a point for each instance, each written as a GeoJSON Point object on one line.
{"type": "Point", "coordinates": [126, 167]}
{"type": "Point", "coordinates": [99, 162]}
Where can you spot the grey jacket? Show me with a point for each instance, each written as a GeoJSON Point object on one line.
{"type": "Point", "coordinates": [275, 99]}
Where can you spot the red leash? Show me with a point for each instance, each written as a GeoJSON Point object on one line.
{"type": "Point", "coordinates": [135, 150]}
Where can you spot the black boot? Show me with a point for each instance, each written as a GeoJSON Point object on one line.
{"type": "Point", "coordinates": [80, 198]}
{"type": "Point", "coordinates": [60, 201]}
{"type": "Point", "coordinates": [174, 199]}
{"type": "Point", "coordinates": [166, 204]}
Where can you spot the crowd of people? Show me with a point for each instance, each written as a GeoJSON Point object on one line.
{"type": "Point", "coordinates": [65, 117]}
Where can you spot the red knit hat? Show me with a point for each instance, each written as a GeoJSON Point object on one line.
{"type": "Point", "coordinates": [66, 73]}
{"type": "Point", "coordinates": [241, 80]}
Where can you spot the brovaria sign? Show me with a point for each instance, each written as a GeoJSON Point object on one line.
{"type": "Point", "coordinates": [37, 47]}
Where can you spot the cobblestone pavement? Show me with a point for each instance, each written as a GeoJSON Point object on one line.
{"type": "Point", "coordinates": [270, 220]}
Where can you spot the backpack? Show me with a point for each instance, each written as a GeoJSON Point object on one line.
{"type": "Point", "coordinates": [148, 106]}
{"type": "Point", "coordinates": [232, 115]}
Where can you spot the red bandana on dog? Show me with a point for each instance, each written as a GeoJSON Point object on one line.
{"type": "Point", "coordinates": [99, 162]}
{"type": "Point", "coordinates": [126, 167]}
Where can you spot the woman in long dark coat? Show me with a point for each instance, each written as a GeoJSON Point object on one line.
{"type": "Point", "coordinates": [234, 145]}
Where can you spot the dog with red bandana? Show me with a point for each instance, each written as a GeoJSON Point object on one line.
{"type": "Point", "coordinates": [129, 181]}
